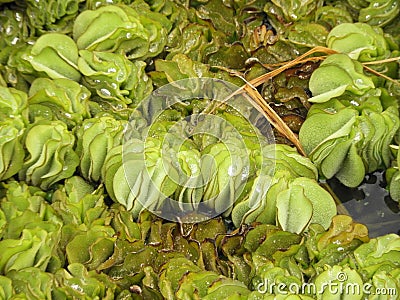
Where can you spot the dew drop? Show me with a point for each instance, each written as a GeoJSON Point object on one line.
{"type": "Point", "coordinates": [105, 92]}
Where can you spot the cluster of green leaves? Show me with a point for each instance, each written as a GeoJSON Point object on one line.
{"type": "Point", "coordinates": [70, 244]}
{"type": "Point", "coordinates": [110, 63]}
{"type": "Point", "coordinates": [292, 195]}
{"type": "Point", "coordinates": [348, 131]}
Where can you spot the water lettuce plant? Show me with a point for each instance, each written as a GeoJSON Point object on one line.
{"type": "Point", "coordinates": [123, 30]}
{"type": "Point", "coordinates": [51, 156]}
{"type": "Point", "coordinates": [336, 74]}
{"type": "Point", "coordinates": [359, 41]}
{"type": "Point", "coordinates": [347, 141]}
{"type": "Point", "coordinates": [348, 132]}
{"type": "Point", "coordinates": [56, 55]}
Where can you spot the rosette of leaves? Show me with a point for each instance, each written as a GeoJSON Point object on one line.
{"type": "Point", "coordinates": [208, 285]}
{"type": "Point", "coordinates": [220, 14]}
{"type": "Point", "coordinates": [380, 251]}
{"type": "Point", "coordinates": [91, 247]}
{"type": "Point", "coordinates": [336, 74]}
{"type": "Point", "coordinates": [114, 78]}
{"type": "Point", "coordinates": [33, 283]}
{"type": "Point", "coordinates": [129, 181]}
{"type": "Point", "coordinates": [30, 283]}
{"type": "Point", "coordinates": [331, 16]}
{"type": "Point", "coordinates": [13, 117]}
{"type": "Point", "coordinates": [32, 231]}
{"type": "Point", "coordinates": [13, 105]}
{"type": "Point", "coordinates": [305, 34]}
{"type": "Point", "coordinates": [32, 249]}
{"type": "Point", "coordinates": [322, 245]}
{"type": "Point", "coordinates": [349, 141]}
{"type": "Point", "coordinates": [91, 284]}
{"type": "Point", "coordinates": [292, 11]}
{"type": "Point", "coordinates": [12, 151]}
{"type": "Point", "coordinates": [15, 69]}
{"type": "Point", "coordinates": [95, 138]}
{"type": "Point", "coordinates": [58, 99]}
{"type": "Point", "coordinates": [80, 206]}
{"type": "Point", "coordinates": [286, 258]}
{"type": "Point", "coordinates": [51, 156]}
{"type": "Point", "coordinates": [359, 41]}
{"type": "Point", "coordinates": [339, 275]}
{"type": "Point", "coordinates": [52, 15]}
{"type": "Point", "coordinates": [378, 261]}
{"type": "Point", "coordinates": [87, 237]}
{"type": "Point", "coordinates": [198, 42]}
{"type": "Point", "coordinates": [295, 22]}
{"type": "Point", "coordinates": [15, 28]}
{"type": "Point", "coordinates": [282, 13]}
{"type": "Point", "coordinates": [290, 197]}
{"type": "Point", "coordinates": [225, 171]}
{"type": "Point", "coordinates": [123, 30]}
{"type": "Point", "coordinates": [179, 67]}
{"type": "Point", "coordinates": [365, 43]}
{"type": "Point", "coordinates": [379, 12]}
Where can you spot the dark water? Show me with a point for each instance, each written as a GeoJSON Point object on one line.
{"type": "Point", "coordinates": [369, 204]}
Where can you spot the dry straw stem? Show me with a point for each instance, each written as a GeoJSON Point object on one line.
{"type": "Point", "coordinates": [298, 60]}
{"type": "Point", "coordinates": [261, 105]}
{"type": "Point", "coordinates": [259, 102]}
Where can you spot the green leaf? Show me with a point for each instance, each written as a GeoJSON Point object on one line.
{"type": "Point", "coordinates": [336, 74]}
{"type": "Point", "coordinates": [56, 55]}
{"type": "Point", "coordinates": [323, 205]}
{"type": "Point", "coordinates": [294, 209]}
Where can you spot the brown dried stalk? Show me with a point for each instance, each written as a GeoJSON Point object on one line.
{"type": "Point", "coordinates": [259, 102]}
{"type": "Point", "coordinates": [263, 78]}
{"type": "Point", "coordinates": [377, 62]}
{"type": "Point", "coordinates": [381, 75]}
{"type": "Point", "coordinates": [273, 118]}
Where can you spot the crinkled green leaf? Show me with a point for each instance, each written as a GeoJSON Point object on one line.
{"type": "Point", "coordinates": [378, 250]}
{"type": "Point", "coordinates": [56, 55]}
{"type": "Point", "coordinates": [339, 275]}
{"type": "Point", "coordinates": [77, 282]}
{"type": "Point", "coordinates": [123, 30]}
{"type": "Point", "coordinates": [379, 12]}
{"type": "Point", "coordinates": [294, 209]}
{"type": "Point", "coordinates": [172, 272]}
{"type": "Point", "coordinates": [307, 34]}
{"type": "Point", "coordinates": [58, 99]}
{"type": "Point", "coordinates": [332, 15]}
{"type": "Point", "coordinates": [33, 249]}
{"type": "Point", "coordinates": [52, 15]}
{"type": "Point", "coordinates": [11, 149]}
{"type": "Point", "coordinates": [96, 137]}
{"type": "Point", "coordinates": [6, 288]}
{"type": "Point", "coordinates": [113, 77]}
{"type": "Point", "coordinates": [32, 282]}
{"type": "Point", "coordinates": [336, 74]}
{"type": "Point", "coordinates": [323, 205]}
{"type": "Point", "coordinates": [293, 10]}
{"type": "Point", "coordinates": [51, 155]}
{"type": "Point", "coordinates": [359, 41]}
{"type": "Point", "coordinates": [90, 248]}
